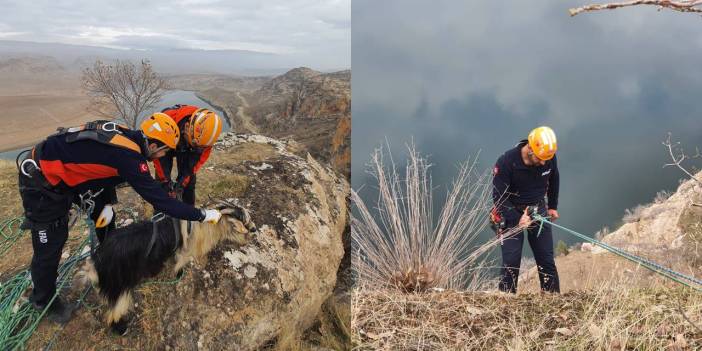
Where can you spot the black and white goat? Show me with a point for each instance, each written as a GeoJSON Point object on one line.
{"type": "Point", "coordinates": [133, 253]}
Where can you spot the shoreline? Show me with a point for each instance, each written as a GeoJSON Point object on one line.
{"type": "Point", "coordinates": [200, 96]}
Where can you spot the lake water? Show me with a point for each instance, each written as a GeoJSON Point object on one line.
{"type": "Point", "coordinates": [457, 78]}
{"type": "Point", "coordinates": [171, 98]}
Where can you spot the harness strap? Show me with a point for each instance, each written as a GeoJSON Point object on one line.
{"type": "Point", "coordinates": [29, 168]}
{"type": "Point", "coordinates": [154, 233]}
{"type": "Point", "coordinates": [102, 131]}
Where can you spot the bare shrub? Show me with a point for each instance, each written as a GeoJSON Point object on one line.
{"type": "Point", "coordinates": [662, 196]}
{"type": "Point", "coordinates": [400, 245]}
{"type": "Point", "coordinates": [633, 215]}
{"type": "Point", "coordinates": [562, 248]}
{"type": "Point", "coordinates": [122, 90]}
{"type": "Point", "coordinates": [600, 234]}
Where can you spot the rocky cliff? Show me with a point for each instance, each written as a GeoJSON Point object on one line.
{"type": "Point", "coordinates": [667, 231]}
{"type": "Point", "coordinates": [310, 107]}
{"type": "Point", "coordinates": [264, 292]}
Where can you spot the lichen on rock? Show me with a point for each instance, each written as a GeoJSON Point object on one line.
{"type": "Point", "coordinates": [273, 286]}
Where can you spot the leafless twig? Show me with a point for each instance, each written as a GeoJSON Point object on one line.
{"type": "Point", "coordinates": [681, 5]}
{"type": "Point", "coordinates": [678, 156]}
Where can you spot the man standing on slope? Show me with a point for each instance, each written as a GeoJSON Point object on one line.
{"type": "Point", "coordinates": [90, 159]}
{"type": "Point", "coordinates": [201, 128]}
{"type": "Point", "coordinates": [526, 177]}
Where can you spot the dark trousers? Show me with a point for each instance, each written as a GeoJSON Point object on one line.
{"type": "Point", "coordinates": [542, 246]}
{"type": "Point", "coordinates": [46, 215]}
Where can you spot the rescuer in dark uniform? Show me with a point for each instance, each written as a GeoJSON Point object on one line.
{"type": "Point", "coordinates": [200, 128]}
{"type": "Point", "coordinates": [526, 178]}
{"type": "Point", "coordinates": [90, 159]}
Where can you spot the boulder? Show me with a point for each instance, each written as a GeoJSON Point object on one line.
{"type": "Point", "coordinates": [270, 289]}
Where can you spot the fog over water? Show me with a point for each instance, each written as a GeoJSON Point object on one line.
{"type": "Point", "coordinates": [462, 77]}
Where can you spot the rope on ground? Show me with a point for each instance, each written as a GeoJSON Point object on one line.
{"type": "Point", "coordinates": [18, 318]}
{"type": "Point", "coordinates": [675, 276]}
{"type": "Point", "coordinates": [10, 232]}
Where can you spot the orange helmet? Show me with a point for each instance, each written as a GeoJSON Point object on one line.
{"type": "Point", "coordinates": [542, 141]}
{"type": "Point", "coordinates": [162, 128]}
{"type": "Point", "coordinates": [203, 128]}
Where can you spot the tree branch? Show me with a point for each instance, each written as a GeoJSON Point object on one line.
{"type": "Point", "coordinates": [681, 6]}
{"type": "Point", "coordinates": [123, 91]}
{"type": "Point", "coordinates": [678, 159]}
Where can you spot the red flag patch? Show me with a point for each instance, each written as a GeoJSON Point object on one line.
{"type": "Point", "coordinates": [143, 167]}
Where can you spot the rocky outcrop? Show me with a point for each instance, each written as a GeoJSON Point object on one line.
{"type": "Point", "coordinates": [667, 231]}
{"type": "Point", "coordinates": [264, 290]}
{"type": "Point", "coordinates": [310, 107]}
{"type": "Point", "coordinates": [667, 225]}
{"type": "Point", "coordinates": [271, 289]}
{"type": "Point", "coordinates": [304, 93]}
{"type": "Point", "coordinates": [313, 108]}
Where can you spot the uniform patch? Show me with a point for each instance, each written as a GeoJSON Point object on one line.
{"type": "Point", "coordinates": [143, 167]}
{"type": "Point", "coordinates": [495, 171]}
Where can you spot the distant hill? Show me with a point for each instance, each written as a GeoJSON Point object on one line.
{"type": "Point", "coordinates": [310, 107]}
{"type": "Point", "coordinates": [31, 65]}
{"type": "Point", "coordinates": [171, 61]}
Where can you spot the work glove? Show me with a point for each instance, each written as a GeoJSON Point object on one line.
{"type": "Point", "coordinates": [105, 217]}
{"type": "Point", "coordinates": [211, 216]}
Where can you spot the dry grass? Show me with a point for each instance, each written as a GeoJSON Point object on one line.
{"type": "Point", "coordinates": [611, 317]}
{"type": "Point", "coordinates": [399, 243]}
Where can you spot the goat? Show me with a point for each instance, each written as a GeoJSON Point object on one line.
{"type": "Point", "coordinates": [133, 253]}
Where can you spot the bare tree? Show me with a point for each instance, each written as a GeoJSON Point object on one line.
{"type": "Point", "coordinates": [680, 5]}
{"type": "Point", "coordinates": [123, 90]}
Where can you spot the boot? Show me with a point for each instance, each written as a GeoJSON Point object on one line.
{"type": "Point", "coordinates": [59, 312]}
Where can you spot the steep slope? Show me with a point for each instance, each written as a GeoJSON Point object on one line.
{"type": "Point", "coordinates": [264, 292]}
{"type": "Point", "coordinates": [607, 302]}
{"type": "Point", "coordinates": [667, 231]}
{"type": "Point", "coordinates": [310, 107]}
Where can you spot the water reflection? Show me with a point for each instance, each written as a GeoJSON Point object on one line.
{"type": "Point", "coordinates": [462, 77]}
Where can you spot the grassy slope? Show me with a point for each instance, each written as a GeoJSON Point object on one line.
{"type": "Point", "coordinates": [607, 318]}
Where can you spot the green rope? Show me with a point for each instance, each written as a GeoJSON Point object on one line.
{"type": "Point", "coordinates": [675, 276]}
{"type": "Point", "coordinates": [10, 232]}
{"type": "Point", "coordinates": [18, 318]}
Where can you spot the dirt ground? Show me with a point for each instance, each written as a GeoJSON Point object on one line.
{"type": "Point", "coordinates": [26, 119]}
{"type": "Point", "coordinates": [580, 271]}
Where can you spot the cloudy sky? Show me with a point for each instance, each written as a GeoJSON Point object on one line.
{"type": "Point", "coordinates": [459, 77]}
{"type": "Point", "coordinates": [310, 31]}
